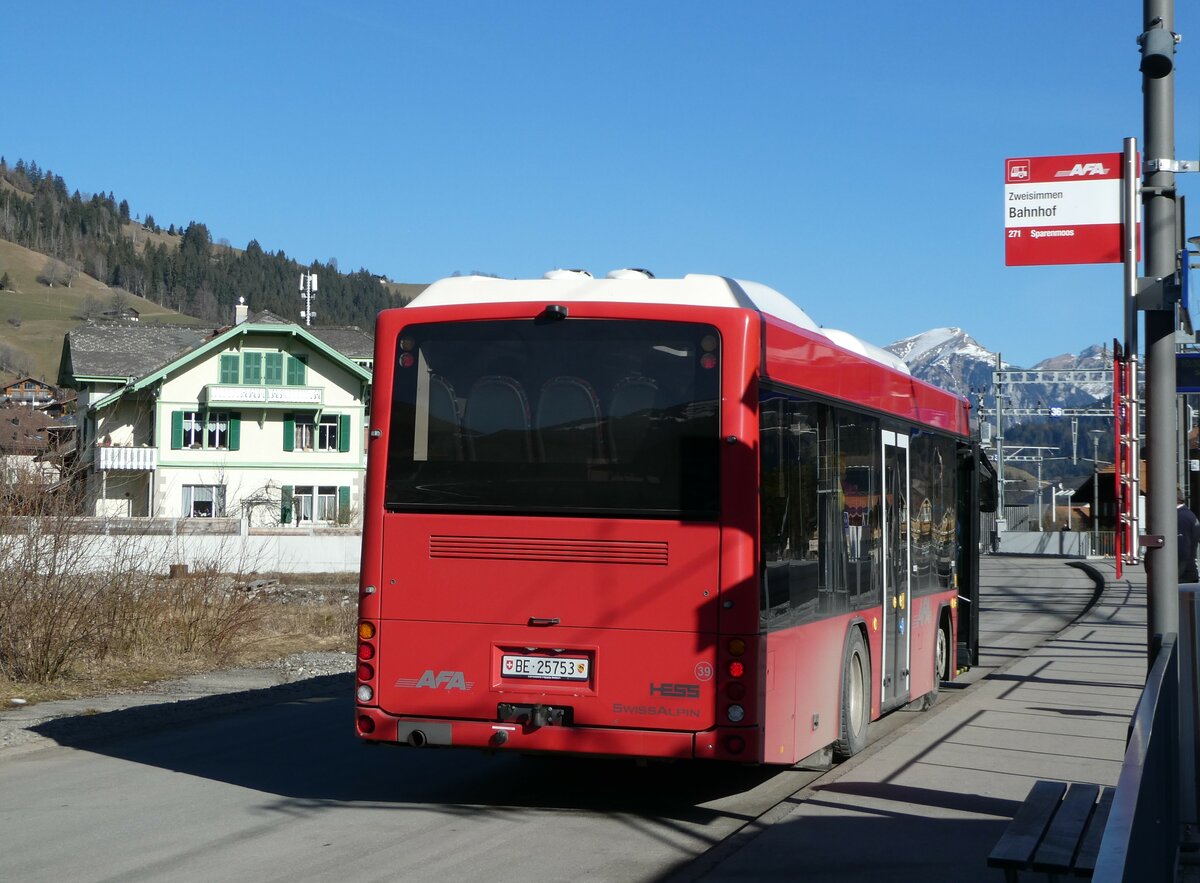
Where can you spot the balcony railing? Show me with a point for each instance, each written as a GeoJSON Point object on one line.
{"type": "Point", "coordinates": [226, 395]}
{"type": "Point", "coordinates": [128, 459]}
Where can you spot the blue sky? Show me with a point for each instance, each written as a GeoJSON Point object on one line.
{"type": "Point", "coordinates": [850, 156]}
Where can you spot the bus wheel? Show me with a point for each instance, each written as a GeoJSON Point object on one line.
{"type": "Point", "coordinates": [856, 698]}
{"type": "Point", "coordinates": [941, 657]}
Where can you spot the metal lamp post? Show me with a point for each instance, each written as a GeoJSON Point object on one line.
{"type": "Point", "coordinates": [1095, 434]}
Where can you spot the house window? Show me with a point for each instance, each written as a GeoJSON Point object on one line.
{"type": "Point", "coordinates": [203, 500]}
{"type": "Point", "coordinates": [217, 429]}
{"type": "Point", "coordinates": [193, 429]}
{"type": "Point", "coordinates": [305, 432]}
{"type": "Point", "coordinates": [205, 429]}
{"type": "Point", "coordinates": [327, 434]}
{"type": "Point", "coordinates": [315, 503]}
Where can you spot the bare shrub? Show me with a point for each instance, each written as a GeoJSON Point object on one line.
{"type": "Point", "coordinates": [50, 607]}
{"type": "Point", "coordinates": [70, 598]}
{"type": "Point", "coordinates": [206, 613]}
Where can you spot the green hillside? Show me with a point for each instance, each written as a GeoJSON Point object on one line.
{"type": "Point", "coordinates": [34, 315]}
{"type": "Point", "coordinates": [69, 256]}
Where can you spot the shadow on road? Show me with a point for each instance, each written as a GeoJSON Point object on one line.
{"type": "Point", "coordinates": [297, 741]}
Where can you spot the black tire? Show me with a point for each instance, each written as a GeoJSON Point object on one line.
{"type": "Point", "coordinates": [855, 715]}
{"type": "Point", "coordinates": [941, 663]}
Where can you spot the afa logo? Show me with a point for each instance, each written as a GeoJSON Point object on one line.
{"type": "Point", "coordinates": [447, 680]}
{"type": "Point", "coordinates": [1082, 170]}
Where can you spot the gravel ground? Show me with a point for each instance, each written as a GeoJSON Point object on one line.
{"type": "Point", "coordinates": [167, 703]}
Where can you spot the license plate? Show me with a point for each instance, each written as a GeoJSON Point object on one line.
{"type": "Point", "coordinates": [552, 668]}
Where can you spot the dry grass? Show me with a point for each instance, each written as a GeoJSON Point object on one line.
{"type": "Point", "coordinates": [175, 632]}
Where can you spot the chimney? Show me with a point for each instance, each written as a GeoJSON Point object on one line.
{"type": "Point", "coordinates": [240, 312]}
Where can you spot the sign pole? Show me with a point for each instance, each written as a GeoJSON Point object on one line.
{"type": "Point", "coordinates": [1158, 197]}
{"type": "Point", "coordinates": [1125, 392]}
{"type": "Point", "coordinates": [1131, 176]}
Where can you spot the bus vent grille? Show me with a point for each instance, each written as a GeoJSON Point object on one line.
{"type": "Point", "coordinates": [526, 549]}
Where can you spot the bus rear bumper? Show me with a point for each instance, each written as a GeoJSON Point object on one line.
{"type": "Point", "coordinates": [379, 726]}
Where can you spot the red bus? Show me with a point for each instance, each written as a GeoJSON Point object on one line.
{"type": "Point", "coordinates": [654, 518]}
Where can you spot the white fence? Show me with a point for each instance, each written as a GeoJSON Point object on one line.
{"type": "Point", "coordinates": [226, 543]}
{"type": "Point", "coordinates": [1072, 544]}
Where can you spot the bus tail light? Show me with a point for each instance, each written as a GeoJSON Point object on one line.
{"type": "Point", "coordinates": [365, 672]}
{"type": "Point", "coordinates": [737, 681]}
{"type": "Point", "coordinates": [365, 724]}
{"type": "Point", "coordinates": [735, 744]}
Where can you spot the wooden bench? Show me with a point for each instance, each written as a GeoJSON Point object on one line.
{"type": "Point", "coordinates": [1056, 831]}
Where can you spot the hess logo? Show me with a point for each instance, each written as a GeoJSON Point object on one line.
{"type": "Point", "coordinates": [1082, 170]}
{"type": "Point", "coordinates": [676, 691]}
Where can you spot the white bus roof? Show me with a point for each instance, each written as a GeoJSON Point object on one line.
{"type": "Point", "coordinates": [637, 286]}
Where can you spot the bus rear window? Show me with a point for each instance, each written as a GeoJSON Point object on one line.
{"type": "Point", "coordinates": [575, 416]}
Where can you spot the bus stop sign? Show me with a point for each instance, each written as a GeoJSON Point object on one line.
{"type": "Point", "coordinates": [1063, 210]}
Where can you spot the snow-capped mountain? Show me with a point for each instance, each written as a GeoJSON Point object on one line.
{"type": "Point", "coordinates": [949, 358]}
{"type": "Point", "coordinates": [952, 359]}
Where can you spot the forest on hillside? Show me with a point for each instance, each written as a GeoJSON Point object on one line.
{"type": "Point", "coordinates": [182, 269]}
{"type": "Point", "coordinates": [1064, 459]}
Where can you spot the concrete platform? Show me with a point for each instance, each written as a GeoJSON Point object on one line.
{"type": "Point", "coordinates": [929, 803]}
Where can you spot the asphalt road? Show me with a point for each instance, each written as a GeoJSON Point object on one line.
{"type": "Point", "coordinates": [284, 791]}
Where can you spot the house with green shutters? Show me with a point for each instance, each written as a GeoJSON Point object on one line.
{"type": "Point", "coordinates": [263, 420]}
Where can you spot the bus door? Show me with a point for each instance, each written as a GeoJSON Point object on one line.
{"type": "Point", "coordinates": [896, 570]}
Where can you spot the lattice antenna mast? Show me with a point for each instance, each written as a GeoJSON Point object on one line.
{"type": "Point", "coordinates": [308, 290]}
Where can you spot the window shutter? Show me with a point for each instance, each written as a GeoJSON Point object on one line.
{"type": "Point", "coordinates": [343, 505]}
{"type": "Point", "coordinates": [343, 433]}
{"type": "Point", "coordinates": [295, 371]}
{"type": "Point", "coordinates": [289, 432]}
{"type": "Point", "coordinates": [285, 509]}
{"type": "Point", "coordinates": [273, 369]}
{"type": "Point", "coordinates": [235, 431]}
{"type": "Point", "coordinates": [176, 430]}
{"type": "Point", "coordinates": [229, 368]}
{"type": "Point", "coordinates": [251, 367]}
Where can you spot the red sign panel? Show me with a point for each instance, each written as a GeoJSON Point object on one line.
{"type": "Point", "coordinates": [1063, 210]}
